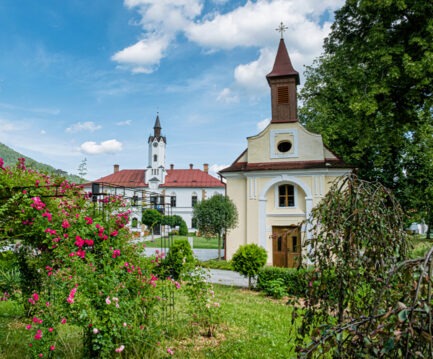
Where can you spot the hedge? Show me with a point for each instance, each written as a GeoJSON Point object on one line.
{"type": "Point", "coordinates": [295, 280]}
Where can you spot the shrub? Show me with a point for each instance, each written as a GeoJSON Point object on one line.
{"type": "Point", "coordinates": [295, 281]}
{"type": "Point", "coordinates": [180, 259]}
{"type": "Point", "coordinates": [183, 228]}
{"type": "Point", "coordinates": [276, 288]}
{"type": "Point", "coordinates": [8, 260]}
{"type": "Point", "coordinates": [248, 259]}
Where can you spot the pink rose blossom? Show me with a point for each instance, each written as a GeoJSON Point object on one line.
{"type": "Point", "coordinates": [48, 215]}
{"type": "Point", "coordinates": [120, 349]}
{"type": "Point", "coordinates": [170, 351]}
{"type": "Point", "coordinates": [108, 301]}
{"type": "Point", "coordinates": [38, 335]}
{"type": "Point", "coordinates": [52, 347]}
{"type": "Point", "coordinates": [65, 224]}
{"type": "Point", "coordinates": [63, 321]}
{"type": "Point", "coordinates": [37, 203]}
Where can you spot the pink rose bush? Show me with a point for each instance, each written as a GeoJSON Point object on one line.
{"type": "Point", "coordinates": [85, 270]}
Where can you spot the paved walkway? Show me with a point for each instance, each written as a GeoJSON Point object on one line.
{"type": "Point", "coordinates": [227, 277]}
{"type": "Point", "coordinates": [217, 276]}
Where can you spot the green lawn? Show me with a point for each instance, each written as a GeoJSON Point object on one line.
{"type": "Point", "coordinates": [250, 326]}
{"type": "Point", "coordinates": [198, 242]}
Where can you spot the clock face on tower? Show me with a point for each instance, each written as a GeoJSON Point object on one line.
{"type": "Point", "coordinates": [155, 144]}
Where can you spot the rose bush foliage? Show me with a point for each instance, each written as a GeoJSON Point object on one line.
{"type": "Point", "coordinates": [79, 266]}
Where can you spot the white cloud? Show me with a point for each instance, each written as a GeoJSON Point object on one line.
{"type": "Point", "coordinates": [227, 96]}
{"type": "Point", "coordinates": [161, 20]}
{"type": "Point", "coordinates": [143, 56]}
{"type": "Point", "coordinates": [124, 123]}
{"type": "Point", "coordinates": [43, 132]}
{"type": "Point", "coordinates": [261, 125]}
{"type": "Point", "coordinates": [85, 126]}
{"type": "Point", "coordinates": [9, 126]}
{"type": "Point", "coordinates": [93, 148]}
{"type": "Point", "coordinates": [251, 75]}
{"type": "Point", "coordinates": [249, 25]}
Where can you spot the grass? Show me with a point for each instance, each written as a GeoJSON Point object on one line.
{"type": "Point", "coordinates": [198, 242]}
{"type": "Point", "coordinates": [248, 328]}
{"type": "Point", "coordinates": [217, 264]}
{"type": "Point", "coordinates": [420, 244]}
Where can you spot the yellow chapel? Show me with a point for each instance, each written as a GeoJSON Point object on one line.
{"type": "Point", "coordinates": [283, 173]}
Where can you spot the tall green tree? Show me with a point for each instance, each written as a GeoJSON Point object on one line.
{"type": "Point", "coordinates": [371, 90]}
{"type": "Point", "coordinates": [151, 217]}
{"type": "Point", "coordinates": [215, 216]}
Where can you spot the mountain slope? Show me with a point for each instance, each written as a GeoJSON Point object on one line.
{"type": "Point", "coordinates": [10, 158]}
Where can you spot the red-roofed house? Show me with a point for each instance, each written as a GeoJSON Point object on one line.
{"type": "Point", "coordinates": [281, 176]}
{"type": "Point", "coordinates": [179, 189]}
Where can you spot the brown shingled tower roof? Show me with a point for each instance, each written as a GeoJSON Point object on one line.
{"type": "Point", "coordinates": [283, 66]}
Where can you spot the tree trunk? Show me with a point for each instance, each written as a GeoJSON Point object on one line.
{"type": "Point", "coordinates": [219, 246]}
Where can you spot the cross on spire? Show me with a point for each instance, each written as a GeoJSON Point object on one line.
{"type": "Point", "coordinates": [281, 28]}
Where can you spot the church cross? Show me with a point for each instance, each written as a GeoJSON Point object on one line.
{"type": "Point", "coordinates": [281, 28]}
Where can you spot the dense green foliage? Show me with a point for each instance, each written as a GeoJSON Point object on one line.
{"type": "Point", "coordinates": [248, 259]}
{"type": "Point", "coordinates": [215, 216]}
{"type": "Point", "coordinates": [294, 281]}
{"type": "Point", "coordinates": [364, 297]}
{"type": "Point", "coordinates": [79, 266]}
{"type": "Point", "coordinates": [10, 158]}
{"type": "Point", "coordinates": [179, 261]}
{"type": "Point", "coordinates": [176, 221]}
{"type": "Point", "coordinates": [369, 95]}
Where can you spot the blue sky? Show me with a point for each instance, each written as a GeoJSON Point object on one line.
{"type": "Point", "coordinates": [86, 79]}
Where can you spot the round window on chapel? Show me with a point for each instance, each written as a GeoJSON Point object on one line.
{"type": "Point", "coordinates": [284, 146]}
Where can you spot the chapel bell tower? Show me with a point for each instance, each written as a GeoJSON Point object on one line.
{"type": "Point", "coordinates": [283, 80]}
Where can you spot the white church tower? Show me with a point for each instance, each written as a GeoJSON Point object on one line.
{"type": "Point", "coordinates": [155, 173]}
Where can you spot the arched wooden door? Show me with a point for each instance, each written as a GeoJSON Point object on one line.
{"type": "Point", "coordinates": [286, 246]}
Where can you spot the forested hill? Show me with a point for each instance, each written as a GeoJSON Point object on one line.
{"type": "Point", "coordinates": [10, 158]}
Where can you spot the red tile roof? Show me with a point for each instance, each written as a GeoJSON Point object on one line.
{"type": "Point", "coordinates": [190, 178]}
{"type": "Point", "coordinates": [174, 178]}
{"type": "Point", "coordinates": [125, 178]}
{"type": "Point", "coordinates": [288, 165]}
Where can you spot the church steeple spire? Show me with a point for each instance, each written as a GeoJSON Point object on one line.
{"type": "Point", "coordinates": [283, 80]}
{"type": "Point", "coordinates": [157, 127]}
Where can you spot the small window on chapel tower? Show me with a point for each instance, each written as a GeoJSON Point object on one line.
{"type": "Point", "coordinates": [283, 95]}
{"type": "Point", "coordinates": [155, 158]}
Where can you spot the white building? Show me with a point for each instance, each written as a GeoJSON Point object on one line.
{"type": "Point", "coordinates": [156, 186]}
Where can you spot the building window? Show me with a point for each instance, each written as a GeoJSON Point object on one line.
{"type": "Point", "coordinates": [284, 146]}
{"type": "Point", "coordinates": [286, 195]}
{"type": "Point", "coordinates": [193, 200]}
{"type": "Point", "coordinates": [173, 201]}
{"type": "Point", "coordinates": [134, 223]}
{"type": "Point", "coordinates": [153, 200]}
{"type": "Point", "coordinates": [155, 158]}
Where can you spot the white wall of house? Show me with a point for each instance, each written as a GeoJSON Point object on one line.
{"type": "Point", "coordinates": [183, 196]}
